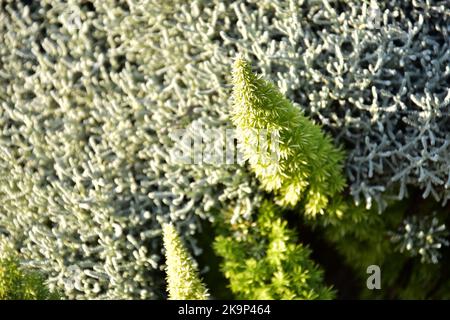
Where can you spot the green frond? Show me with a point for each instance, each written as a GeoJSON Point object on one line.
{"type": "Point", "coordinates": [183, 281]}
{"type": "Point", "coordinates": [289, 154]}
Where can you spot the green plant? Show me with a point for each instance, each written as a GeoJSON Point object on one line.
{"type": "Point", "coordinates": [183, 282]}
{"type": "Point", "coordinates": [262, 260]}
{"type": "Point", "coordinates": [17, 283]}
{"type": "Point", "coordinates": [288, 152]}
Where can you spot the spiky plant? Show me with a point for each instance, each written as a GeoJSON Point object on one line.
{"type": "Point", "coordinates": [289, 154]}
{"type": "Point", "coordinates": [183, 281]}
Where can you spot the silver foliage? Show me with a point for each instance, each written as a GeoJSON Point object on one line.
{"type": "Point", "coordinates": [86, 175]}
{"type": "Point", "coordinates": [423, 237]}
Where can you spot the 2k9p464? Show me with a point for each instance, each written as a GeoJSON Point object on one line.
{"type": "Point", "coordinates": [229, 309]}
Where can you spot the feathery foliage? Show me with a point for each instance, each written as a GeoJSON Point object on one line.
{"type": "Point", "coordinates": [183, 281]}
{"type": "Point", "coordinates": [262, 260]}
{"type": "Point", "coordinates": [298, 160]}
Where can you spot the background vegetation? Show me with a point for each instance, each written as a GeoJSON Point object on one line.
{"type": "Point", "coordinates": [92, 94]}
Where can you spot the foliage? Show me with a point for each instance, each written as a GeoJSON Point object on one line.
{"type": "Point", "coordinates": [262, 260]}
{"type": "Point", "coordinates": [305, 165]}
{"type": "Point", "coordinates": [86, 172]}
{"type": "Point", "coordinates": [91, 93]}
{"type": "Point", "coordinates": [18, 283]}
{"type": "Point", "coordinates": [183, 282]}
{"type": "Point", "coordinates": [424, 237]}
{"type": "Point", "coordinates": [363, 238]}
